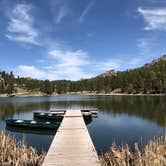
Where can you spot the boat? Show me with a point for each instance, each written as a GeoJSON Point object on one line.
{"type": "Point", "coordinates": [88, 121]}
{"type": "Point", "coordinates": [32, 124]}
{"type": "Point", "coordinates": [40, 131]}
{"type": "Point", "coordinates": [87, 115]}
{"type": "Point", "coordinates": [48, 116]}
{"type": "Point", "coordinates": [94, 115]}
{"type": "Point", "coordinates": [92, 110]}
{"type": "Point", "coordinates": [57, 111]}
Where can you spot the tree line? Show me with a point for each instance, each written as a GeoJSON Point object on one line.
{"type": "Point", "coordinates": [7, 83]}
{"type": "Point", "coordinates": [151, 78]}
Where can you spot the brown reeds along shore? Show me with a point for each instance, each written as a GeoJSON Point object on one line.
{"type": "Point", "coordinates": [13, 153]}
{"type": "Point", "coordinates": [153, 154]}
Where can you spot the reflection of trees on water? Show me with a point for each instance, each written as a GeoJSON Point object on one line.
{"type": "Point", "coordinates": [150, 108]}
{"type": "Point", "coordinates": [7, 110]}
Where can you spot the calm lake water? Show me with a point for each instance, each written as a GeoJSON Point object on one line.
{"type": "Point", "coordinates": [121, 119]}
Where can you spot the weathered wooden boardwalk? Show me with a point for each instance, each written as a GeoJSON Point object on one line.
{"type": "Point", "coordinates": [72, 145]}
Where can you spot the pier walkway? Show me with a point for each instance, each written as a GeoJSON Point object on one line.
{"type": "Point", "coordinates": [72, 145]}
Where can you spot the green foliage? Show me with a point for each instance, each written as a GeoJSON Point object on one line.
{"type": "Point", "coordinates": [6, 82]}
{"type": "Point", "coordinates": [10, 88]}
{"type": "Point", "coordinates": [150, 78]}
{"type": "Point", "coordinates": [46, 87]}
{"type": "Point", "coordinates": [2, 88]}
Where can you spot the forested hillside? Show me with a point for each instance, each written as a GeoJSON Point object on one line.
{"type": "Point", "coordinates": [151, 78]}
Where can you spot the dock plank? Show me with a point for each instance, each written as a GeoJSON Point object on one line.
{"type": "Point", "coordinates": [72, 144]}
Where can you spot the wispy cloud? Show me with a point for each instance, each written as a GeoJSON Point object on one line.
{"type": "Point", "coordinates": [90, 34]}
{"type": "Point", "coordinates": [157, 1]}
{"type": "Point", "coordinates": [30, 71]}
{"type": "Point", "coordinates": [135, 61]}
{"type": "Point", "coordinates": [144, 45]}
{"type": "Point", "coordinates": [86, 11]}
{"type": "Point", "coordinates": [155, 18]}
{"type": "Point", "coordinates": [59, 64]}
{"type": "Point", "coordinates": [20, 26]}
{"type": "Point", "coordinates": [62, 13]}
{"type": "Point", "coordinates": [70, 58]}
{"type": "Point", "coordinates": [69, 64]}
{"type": "Point", "coordinates": [109, 64]}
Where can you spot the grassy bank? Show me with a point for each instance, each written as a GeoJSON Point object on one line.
{"type": "Point", "coordinates": [153, 154]}
{"type": "Point", "coordinates": [13, 153]}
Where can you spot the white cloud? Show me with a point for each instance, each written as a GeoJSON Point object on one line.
{"type": "Point", "coordinates": [20, 25]}
{"type": "Point", "coordinates": [155, 18]}
{"type": "Point", "coordinates": [67, 58]}
{"type": "Point", "coordinates": [69, 64]}
{"type": "Point", "coordinates": [56, 67]}
{"type": "Point", "coordinates": [60, 64]}
{"type": "Point", "coordinates": [71, 73]}
{"type": "Point", "coordinates": [86, 11]}
{"type": "Point", "coordinates": [30, 71]}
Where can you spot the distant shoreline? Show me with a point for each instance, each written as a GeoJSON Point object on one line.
{"type": "Point", "coordinates": [79, 93]}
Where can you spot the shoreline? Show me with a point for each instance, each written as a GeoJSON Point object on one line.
{"type": "Point", "coordinates": [81, 94]}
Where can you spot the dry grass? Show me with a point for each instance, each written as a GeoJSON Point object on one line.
{"type": "Point", "coordinates": [153, 154]}
{"type": "Point", "coordinates": [13, 153]}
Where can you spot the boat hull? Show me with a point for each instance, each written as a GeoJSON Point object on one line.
{"type": "Point", "coordinates": [29, 124]}
{"type": "Point", "coordinates": [48, 116]}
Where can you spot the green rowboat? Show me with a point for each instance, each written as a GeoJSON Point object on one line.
{"type": "Point", "coordinates": [32, 124]}
{"type": "Point", "coordinates": [48, 116]}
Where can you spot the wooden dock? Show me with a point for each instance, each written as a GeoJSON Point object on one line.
{"type": "Point", "coordinates": [72, 145]}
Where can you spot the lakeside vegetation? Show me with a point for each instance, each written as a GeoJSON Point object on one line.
{"type": "Point", "coordinates": [149, 79]}
{"type": "Point", "coordinates": [18, 153]}
{"type": "Point", "coordinates": [153, 154]}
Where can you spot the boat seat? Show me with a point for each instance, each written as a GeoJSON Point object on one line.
{"type": "Point", "coordinates": [47, 122]}
{"type": "Point", "coordinates": [41, 113]}
{"type": "Point", "coordinates": [33, 122]}
{"type": "Point", "coordinates": [87, 113]}
{"type": "Point", "coordinates": [19, 121]}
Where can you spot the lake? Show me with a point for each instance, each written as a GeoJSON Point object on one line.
{"type": "Point", "coordinates": [121, 119]}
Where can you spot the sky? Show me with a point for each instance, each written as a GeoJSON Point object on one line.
{"type": "Point", "coordinates": [76, 39]}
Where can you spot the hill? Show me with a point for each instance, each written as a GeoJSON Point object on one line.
{"type": "Point", "coordinates": [108, 73]}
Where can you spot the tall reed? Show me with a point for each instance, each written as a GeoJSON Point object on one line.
{"type": "Point", "coordinates": [153, 154]}
{"type": "Point", "coordinates": [13, 153]}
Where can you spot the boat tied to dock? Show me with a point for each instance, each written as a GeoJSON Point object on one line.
{"type": "Point", "coordinates": [32, 124]}
{"type": "Point", "coordinates": [48, 116]}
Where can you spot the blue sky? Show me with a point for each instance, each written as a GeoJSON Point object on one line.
{"type": "Point", "coordinates": [71, 39]}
